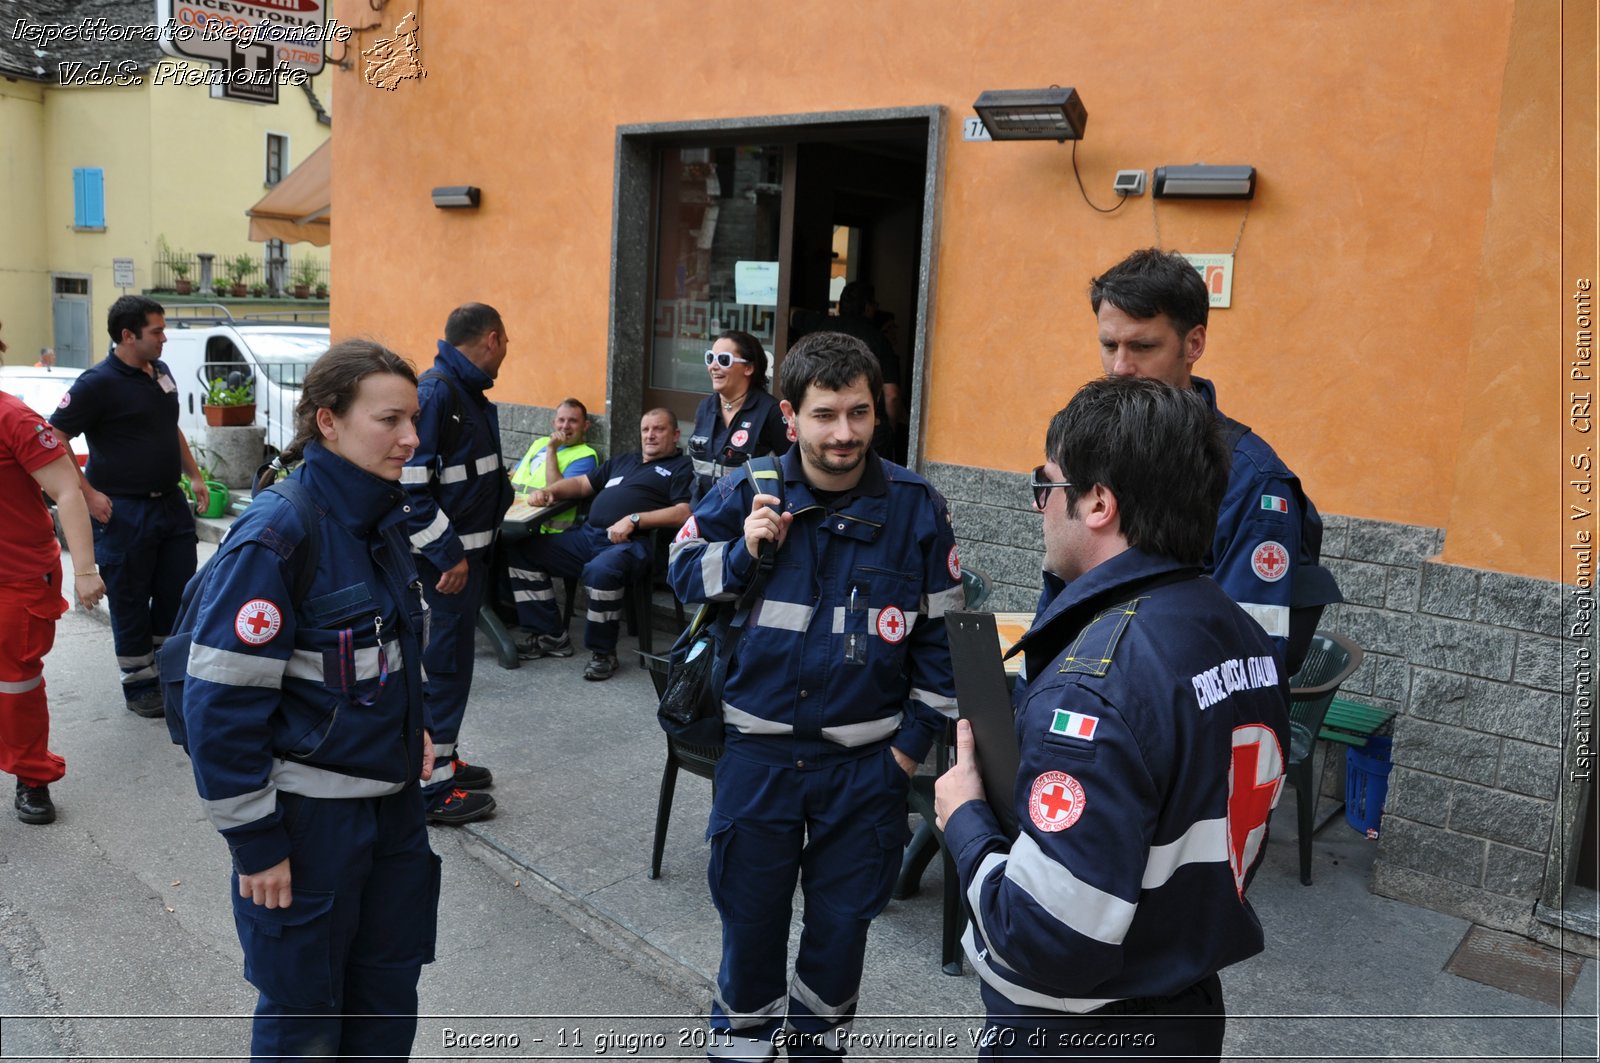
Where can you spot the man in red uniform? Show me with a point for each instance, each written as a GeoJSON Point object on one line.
{"type": "Point", "coordinates": [32, 456]}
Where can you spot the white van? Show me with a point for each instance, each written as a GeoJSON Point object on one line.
{"type": "Point", "coordinates": [205, 341]}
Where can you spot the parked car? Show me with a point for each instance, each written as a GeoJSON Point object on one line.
{"type": "Point", "coordinates": [42, 389]}
{"type": "Point", "coordinates": [204, 343]}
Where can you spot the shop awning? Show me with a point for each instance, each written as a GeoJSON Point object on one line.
{"type": "Point", "coordinates": [299, 208]}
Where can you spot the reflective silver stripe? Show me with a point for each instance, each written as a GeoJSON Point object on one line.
{"type": "Point", "coordinates": [834, 1039]}
{"type": "Point", "coordinates": [21, 687]}
{"type": "Point", "coordinates": [476, 540]}
{"type": "Point", "coordinates": [431, 532]}
{"type": "Point", "coordinates": [1092, 912]}
{"type": "Point", "coordinates": [711, 568]}
{"type": "Point", "coordinates": [985, 872]}
{"type": "Point", "coordinates": [1017, 994]}
{"type": "Point", "coordinates": [704, 468]}
{"type": "Point", "coordinates": [597, 595]}
{"type": "Point", "coordinates": [1274, 619]}
{"type": "Point", "coordinates": [723, 1046]}
{"type": "Point", "coordinates": [225, 812]}
{"type": "Point", "coordinates": [444, 774]}
{"type": "Point", "coordinates": [1205, 842]}
{"type": "Point", "coordinates": [415, 474]}
{"type": "Point", "coordinates": [596, 617]}
{"type": "Point", "coordinates": [546, 593]}
{"type": "Point", "coordinates": [136, 662]}
{"type": "Point", "coordinates": [532, 575]}
{"type": "Point", "coordinates": [741, 1020]}
{"type": "Point", "coordinates": [307, 781]}
{"type": "Point", "coordinates": [142, 674]}
{"type": "Point", "coordinates": [816, 1005]}
{"type": "Point", "coordinates": [872, 620]}
{"type": "Point", "coordinates": [941, 602]}
{"type": "Point", "coordinates": [937, 702]}
{"type": "Point", "coordinates": [444, 749]}
{"type": "Point", "coordinates": [453, 474]}
{"type": "Point", "coordinates": [860, 734]}
{"type": "Point", "coordinates": [235, 669]}
{"type": "Point", "coordinates": [786, 616]}
{"type": "Point", "coordinates": [308, 664]}
{"type": "Point", "coordinates": [753, 725]}
{"type": "Point", "coordinates": [487, 464]}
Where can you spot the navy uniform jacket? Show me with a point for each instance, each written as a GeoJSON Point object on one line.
{"type": "Point", "coordinates": [1268, 536]}
{"type": "Point", "coordinates": [1128, 876]}
{"type": "Point", "coordinates": [790, 693]}
{"type": "Point", "coordinates": [717, 449]}
{"type": "Point", "coordinates": [457, 499]}
{"type": "Point", "coordinates": [321, 698]}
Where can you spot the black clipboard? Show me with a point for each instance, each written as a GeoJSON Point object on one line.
{"type": "Point", "coordinates": [984, 696]}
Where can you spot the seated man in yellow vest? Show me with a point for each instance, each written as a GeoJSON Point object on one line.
{"type": "Point", "coordinates": [561, 453]}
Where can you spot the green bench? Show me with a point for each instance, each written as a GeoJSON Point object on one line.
{"type": "Point", "coordinates": [1352, 723]}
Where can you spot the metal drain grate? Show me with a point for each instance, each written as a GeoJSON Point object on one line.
{"type": "Point", "coordinates": [1516, 965]}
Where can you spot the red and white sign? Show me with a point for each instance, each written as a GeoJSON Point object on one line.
{"type": "Point", "coordinates": [953, 563]}
{"type": "Point", "coordinates": [891, 624]}
{"type": "Point", "coordinates": [739, 438]}
{"type": "Point", "coordinates": [690, 530]}
{"type": "Point", "coordinates": [258, 622]}
{"type": "Point", "coordinates": [1255, 779]}
{"type": "Point", "coordinates": [1055, 802]}
{"type": "Point", "coordinates": [1270, 561]}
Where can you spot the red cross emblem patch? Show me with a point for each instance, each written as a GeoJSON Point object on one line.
{"type": "Point", "coordinates": [739, 438]}
{"type": "Point", "coordinates": [1055, 802]}
{"type": "Point", "coordinates": [258, 622]}
{"type": "Point", "coordinates": [1270, 561]}
{"type": "Point", "coordinates": [891, 624]}
{"type": "Point", "coordinates": [1255, 779]}
{"type": "Point", "coordinates": [953, 563]}
{"type": "Point", "coordinates": [47, 438]}
{"type": "Point", "coordinates": [690, 530]}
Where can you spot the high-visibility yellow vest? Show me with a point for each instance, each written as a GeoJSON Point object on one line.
{"type": "Point", "coordinates": [529, 474]}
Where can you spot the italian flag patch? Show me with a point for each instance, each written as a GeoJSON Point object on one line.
{"type": "Point", "coordinates": [1074, 725]}
{"type": "Point", "coordinates": [1274, 503]}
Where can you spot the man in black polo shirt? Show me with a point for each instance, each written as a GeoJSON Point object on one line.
{"type": "Point", "coordinates": [144, 539]}
{"type": "Point", "coordinates": [632, 493]}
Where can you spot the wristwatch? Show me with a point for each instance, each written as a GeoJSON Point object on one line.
{"type": "Point", "coordinates": [633, 518]}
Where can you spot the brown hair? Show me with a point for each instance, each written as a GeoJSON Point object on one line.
{"type": "Point", "coordinates": [332, 384]}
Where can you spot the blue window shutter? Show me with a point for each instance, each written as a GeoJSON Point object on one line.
{"type": "Point", "coordinates": [89, 197]}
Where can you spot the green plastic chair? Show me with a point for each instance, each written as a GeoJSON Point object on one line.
{"type": "Point", "coordinates": [1331, 660]}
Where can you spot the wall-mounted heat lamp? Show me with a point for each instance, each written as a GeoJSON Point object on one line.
{"type": "Point", "coordinates": [456, 196]}
{"type": "Point", "coordinates": [1204, 182]}
{"type": "Point", "coordinates": [1032, 114]}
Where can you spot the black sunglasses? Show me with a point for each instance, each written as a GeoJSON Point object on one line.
{"type": "Point", "coordinates": [1042, 487]}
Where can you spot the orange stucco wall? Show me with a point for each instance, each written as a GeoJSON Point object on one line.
{"type": "Point", "coordinates": [1404, 153]}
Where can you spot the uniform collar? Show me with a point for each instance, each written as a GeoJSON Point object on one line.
{"type": "Point", "coordinates": [1108, 582]}
{"type": "Point", "coordinates": [132, 370]}
{"type": "Point", "coordinates": [458, 365]}
{"type": "Point", "coordinates": [354, 497]}
{"type": "Point", "coordinates": [873, 483]}
{"type": "Point", "coordinates": [1206, 390]}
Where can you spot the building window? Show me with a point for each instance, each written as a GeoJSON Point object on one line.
{"type": "Point", "coordinates": [277, 152]}
{"type": "Point", "coordinates": [88, 197]}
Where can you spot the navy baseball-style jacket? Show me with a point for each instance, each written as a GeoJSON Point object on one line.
{"type": "Point", "coordinates": [846, 647]}
{"type": "Point", "coordinates": [1153, 737]}
{"type": "Point", "coordinates": [321, 697]}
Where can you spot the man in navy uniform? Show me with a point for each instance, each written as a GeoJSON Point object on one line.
{"type": "Point", "coordinates": [1153, 738]}
{"type": "Point", "coordinates": [834, 694]}
{"type": "Point", "coordinates": [458, 494]}
{"type": "Point", "coordinates": [144, 537]}
{"type": "Point", "coordinates": [632, 495]}
{"type": "Point", "coordinates": [1152, 309]}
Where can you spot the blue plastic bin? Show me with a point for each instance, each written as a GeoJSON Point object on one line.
{"type": "Point", "coordinates": [1366, 784]}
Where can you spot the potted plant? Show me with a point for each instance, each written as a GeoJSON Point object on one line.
{"type": "Point", "coordinates": [220, 287]}
{"type": "Point", "coordinates": [322, 291]}
{"type": "Point", "coordinates": [180, 270]}
{"type": "Point", "coordinates": [230, 400]}
{"type": "Point", "coordinates": [239, 269]}
{"type": "Point", "coordinates": [305, 275]}
{"type": "Point", "coordinates": [258, 291]}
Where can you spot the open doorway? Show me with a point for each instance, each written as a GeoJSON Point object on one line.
{"type": "Point", "coordinates": [757, 225]}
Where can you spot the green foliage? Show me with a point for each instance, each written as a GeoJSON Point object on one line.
{"type": "Point", "coordinates": [218, 393]}
{"type": "Point", "coordinates": [305, 272]}
{"type": "Point", "coordinates": [240, 267]}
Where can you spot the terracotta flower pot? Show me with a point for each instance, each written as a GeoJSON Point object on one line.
{"type": "Point", "coordinates": [184, 286]}
{"type": "Point", "coordinates": [241, 290]}
{"type": "Point", "coordinates": [230, 416]}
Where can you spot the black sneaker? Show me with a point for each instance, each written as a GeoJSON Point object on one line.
{"type": "Point", "coordinates": [34, 804]}
{"type": "Point", "coordinates": [601, 666]}
{"type": "Point", "coordinates": [149, 704]}
{"type": "Point", "coordinates": [531, 647]}
{"type": "Point", "coordinates": [454, 807]}
{"type": "Point", "coordinates": [471, 776]}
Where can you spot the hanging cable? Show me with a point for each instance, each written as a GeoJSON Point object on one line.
{"type": "Point", "coordinates": [1085, 192]}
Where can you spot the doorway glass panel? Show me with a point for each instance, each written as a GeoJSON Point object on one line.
{"type": "Point", "coordinates": [717, 263]}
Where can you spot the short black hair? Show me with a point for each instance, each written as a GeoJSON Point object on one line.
{"type": "Point", "coordinates": [576, 404]}
{"type": "Point", "coordinates": [832, 361]}
{"type": "Point", "coordinates": [1152, 282]}
{"type": "Point", "coordinates": [750, 350]}
{"type": "Point", "coordinates": [131, 312]}
{"type": "Point", "coordinates": [1158, 449]}
{"type": "Point", "coordinates": [469, 321]}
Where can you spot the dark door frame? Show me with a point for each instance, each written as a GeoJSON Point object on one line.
{"type": "Point", "coordinates": [632, 243]}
